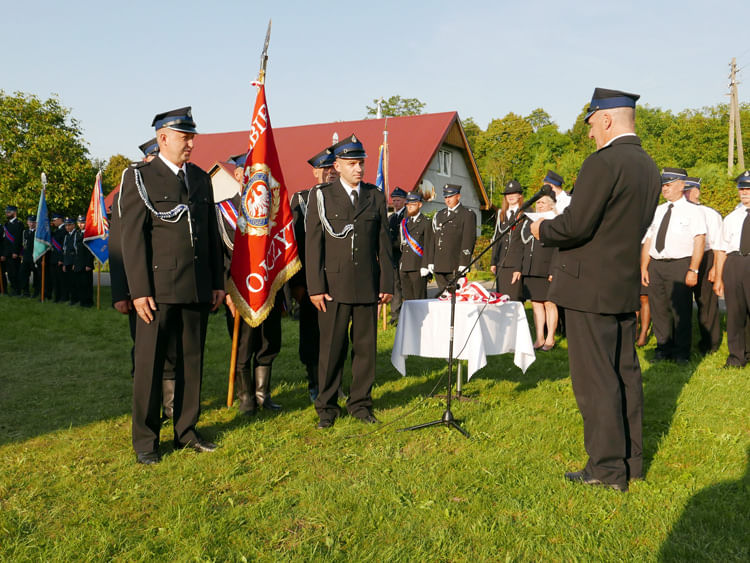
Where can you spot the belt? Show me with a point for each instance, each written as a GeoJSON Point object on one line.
{"type": "Point", "coordinates": [671, 259]}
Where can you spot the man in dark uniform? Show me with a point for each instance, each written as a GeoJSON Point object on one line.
{"type": "Point", "coordinates": [596, 279]}
{"type": "Point", "coordinates": [172, 258]}
{"type": "Point", "coordinates": [28, 266]}
{"type": "Point", "coordinates": [57, 276]}
{"type": "Point", "coordinates": [670, 261]}
{"type": "Point", "coordinates": [454, 232]}
{"type": "Point", "coordinates": [733, 274]}
{"type": "Point", "coordinates": [507, 255]}
{"type": "Point", "coordinates": [398, 199]}
{"type": "Point", "coordinates": [703, 293]}
{"type": "Point", "coordinates": [349, 271]}
{"type": "Point", "coordinates": [309, 333]}
{"type": "Point", "coordinates": [257, 347]}
{"type": "Point", "coordinates": [122, 302]}
{"type": "Point", "coordinates": [415, 235]}
{"type": "Point", "coordinates": [12, 249]}
{"type": "Point", "coordinates": [69, 251]}
{"type": "Point", "coordinates": [83, 267]}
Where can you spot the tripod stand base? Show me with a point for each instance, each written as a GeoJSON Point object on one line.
{"type": "Point", "coordinates": [447, 420]}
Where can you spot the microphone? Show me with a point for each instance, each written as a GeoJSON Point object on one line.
{"type": "Point", "coordinates": [546, 189]}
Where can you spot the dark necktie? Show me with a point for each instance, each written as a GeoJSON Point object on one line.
{"type": "Point", "coordinates": [661, 236]}
{"type": "Point", "coordinates": [355, 199]}
{"type": "Point", "coordinates": [745, 236]}
{"type": "Point", "coordinates": [181, 176]}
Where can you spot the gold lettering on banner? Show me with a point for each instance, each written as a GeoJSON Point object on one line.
{"type": "Point", "coordinates": [280, 242]}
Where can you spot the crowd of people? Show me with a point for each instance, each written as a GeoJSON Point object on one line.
{"type": "Point", "coordinates": [579, 256]}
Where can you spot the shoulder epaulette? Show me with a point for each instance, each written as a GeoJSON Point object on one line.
{"type": "Point", "coordinates": [138, 164]}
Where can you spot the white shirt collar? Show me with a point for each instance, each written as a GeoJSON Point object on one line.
{"type": "Point", "coordinates": [613, 139]}
{"type": "Point", "coordinates": [349, 188]}
{"type": "Point", "coordinates": [454, 208]}
{"type": "Point", "coordinates": [172, 166]}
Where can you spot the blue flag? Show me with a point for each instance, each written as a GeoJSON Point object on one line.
{"type": "Point", "coordinates": [42, 235]}
{"type": "Point", "coordinates": [380, 178]}
{"type": "Point", "coordinates": [96, 232]}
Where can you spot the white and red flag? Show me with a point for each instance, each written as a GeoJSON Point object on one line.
{"type": "Point", "coordinates": [265, 251]}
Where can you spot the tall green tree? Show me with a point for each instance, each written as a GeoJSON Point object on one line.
{"type": "Point", "coordinates": [396, 106]}
{"type": "Point", "coordinates": [41, 136]}
{"type": "Point", "coordinates": [112, 171]}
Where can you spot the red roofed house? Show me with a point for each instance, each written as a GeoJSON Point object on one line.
{"type": "Point", "coordinates": [427, 150]}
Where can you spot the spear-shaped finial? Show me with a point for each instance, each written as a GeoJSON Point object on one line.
{"type": "Point", "coordinates": [264, 56]}
{"type": "Point", "coordinates": [44, 180]}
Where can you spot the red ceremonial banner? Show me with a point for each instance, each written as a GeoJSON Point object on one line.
{"type": "Point", "coordinates": [265, 251]}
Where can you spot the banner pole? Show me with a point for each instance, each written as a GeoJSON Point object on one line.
{"type": "Point", "coordinates": [98, 284]}
{"type": "Point", "coordinates": [233, 358]}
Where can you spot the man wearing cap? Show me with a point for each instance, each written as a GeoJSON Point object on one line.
{"type": "Point", "coordinates": [454, 232]}
{"type": "Point", "coordinates": [12, 249]}
{"type": "Point", "coordinates": [415, 234]}
{"type": "Point", "coordinates": [172, 258]}
{"type": "Point", "coordinates": [705, 298]}
{"type": "Point", "coordinates": [69, 251]}
{"type": "Point", "coordinates": [555, 181]}
{"type": "Point", "coordinates": [83, 267]}
{"type": "Point", "coordinates": [596, 279]}
{"type": "Point", "coordinates": [122, 302]}
{"type": "Point", "coordinates": [507, 254]}
{"type": "Point", "coordinates": [398, 199]}
{"type": "Point", "coordinates": [57, 277]}
{"type": "Point", "coordinates": [349, 269]}
{"type": "Point", "coordinates": [28, 266]}
{"type": "Point", "coordinates": [733, 274]}
{"type": "Point", "coordinates": [257, 347]}
{"type": "Point", "coordinates": [670, 261]}
{"type": "Point", "coordinates": [309, 333]}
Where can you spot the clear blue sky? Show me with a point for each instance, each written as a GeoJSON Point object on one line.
{"type": "Point", "coordinates": [117, 64]}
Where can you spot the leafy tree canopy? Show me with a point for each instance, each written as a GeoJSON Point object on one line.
{"type": "Point", "coordinates": [396, 106]}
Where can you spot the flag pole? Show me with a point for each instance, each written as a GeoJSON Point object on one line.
{"type": "Point", "coordinates": [44, 263]}
{"type": "Point", "coordinates": [98, 284]}
{"type": "Point", "coordinates": [233, 358]}
{"type": "Point", "coordinates": [386, 190]}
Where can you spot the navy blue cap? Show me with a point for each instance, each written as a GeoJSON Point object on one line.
{"type": "Point", "coordinates": [56, 216]}
{"type": "Point", "coordinates": [553, 178]}
{"type": "Point", "coordinates": [413, 196]}
{"type": "Point", "coordinates": [451, 189]}
{"type": "Point", "coordinates": [350, 148]}
{"type": "Point", "coordinates": [238, 160]}
{"type": "Point", "coordinates": [398, 192]}
{"type": "Point", "coordinates": [69, 221]}
{"type": "Point", "coordinates": [31, 218]}
{"type": "Point", "coordinates": [324, 159]}
{"type": "Point", "coordinates": [178, 119]}
{"type": "Point", "coordinates": [513, 187]}
{"type": "Point", "coordinates": [10, 208]}
{"type": "Point", "coordinates": [150, 147]}
{"type": "Point", "coordinates": [691, 183]}
{"type": "Point", "coordinates": [671, 174]}
{"type": "Point", "coordinates": [608, 99]}
{"type": "Point", "coordinates": [743, 180]}
{"type": "Point", "coordinates": [81, 219]}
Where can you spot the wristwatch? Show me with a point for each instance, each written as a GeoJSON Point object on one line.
{"type": "Point", "coordinates": [694, 271]}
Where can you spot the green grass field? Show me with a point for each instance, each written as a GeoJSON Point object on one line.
{"type": "Point", "coordinates": [278, 489]}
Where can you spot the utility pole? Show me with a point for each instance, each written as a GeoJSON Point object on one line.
{"type": "Point", "coordinates": [735, 125]}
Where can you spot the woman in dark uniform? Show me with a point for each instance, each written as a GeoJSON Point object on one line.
{"type": "Point", "coordinates": [535, 271]}
{"type": "Point", "coordinates": [507, 254]}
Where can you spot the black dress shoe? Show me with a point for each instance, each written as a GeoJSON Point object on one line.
{"type": "Point", "coordinates": [148, 458]}
{"type": "Point", "coordinates": [200, 445]}
{"type": "Point", "coordinates": [660, 356]}
{"type": "Point", "coordinates": [586, 479]}
{"type": "Point", "coordinates": [369, 418]}
{"type": "Point", "coordinates": [325, 423]}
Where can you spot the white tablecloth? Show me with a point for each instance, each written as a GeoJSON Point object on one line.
{"type": "Point", "coordinates": [424, 330]}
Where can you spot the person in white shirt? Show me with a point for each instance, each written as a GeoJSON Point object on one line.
{"type": "Point", "coordinates": [555, 181]}
{"type": "Point", "coordinates": [733, 274]}
{"type": "Point", "coordinates": [670, 259]}
{"type": "Point", "coordinates": [705, 298]}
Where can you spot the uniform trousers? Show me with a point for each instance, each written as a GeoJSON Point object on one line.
{"type": "Point", "coordinates": [442, 279]}
{"type": "Point", "coordinates": [58, 283]}
{"type": "Point", "coordinates": [608, 388]}
{"type": "Point", "coordinates": [187, 323]}
{"type": "Point", "coordinates": [170, 360]}
{"type": "Point", "coordinates": [84, 284]}
{"type": "Point", "coordinates": [334, 344]}
{"type": "Point", "coordinates": [513, 290]}
{"type": "Point", "coordinates": [309, 333]}
{"type": "Point", "coordinates": [13, 268]}
{"type": "Point", "coordinates": [737, 296]}
{"type": "Point", "coordinates": [708, 307]}
{"type": "Point", "coordinates": [397, 294]}
{"type": "Point", "coordinates": [671, 302]}
{"type": "Point", "coordinates": [413, 286]}
{"type": "Point", "coordinates": [29, 269]}
{"type": "Point", "coordinates": [257, 346]}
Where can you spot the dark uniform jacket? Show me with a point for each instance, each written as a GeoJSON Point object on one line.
{"type": "Point", "coordinates": [299, 211]}
{"type": "Point", "coordinates": [84, 257]}
{"type": "Point", "coordinates": [394, 230]}
{"type": "Point", "coordinates": [14, 246]}
{"type": "Point", "coordinates": [28, 246]}
{"type": "Point", "coordinates": [599, 234]}
{"type": "Point", "coordinates": [508, 253]}
{"type": "Point", "coordinates": [453, 239]}
{"type": "Point", "coordinates": [70, 247]}
{"type": "Point", "coordinates": [421, 229]}
{"type": "Point", "coordinates": [161, 259]}
{"type": "Point", "coordinates": [226, 230]}
{"type": "Point", "coordinates": [58, 237]}
{"type": "Point", "coordinates": [117, 276]}
{"type": "Point", "coordinates": [537, 258]}
{"type": "Point", "coordinates": [356, 268]}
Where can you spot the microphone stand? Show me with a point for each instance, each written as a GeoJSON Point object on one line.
{"type": "Point", "coordinates": [447, 419]}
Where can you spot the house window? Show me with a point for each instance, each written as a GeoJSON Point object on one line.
{"type": "Point", "coordinates": [444, 163]}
